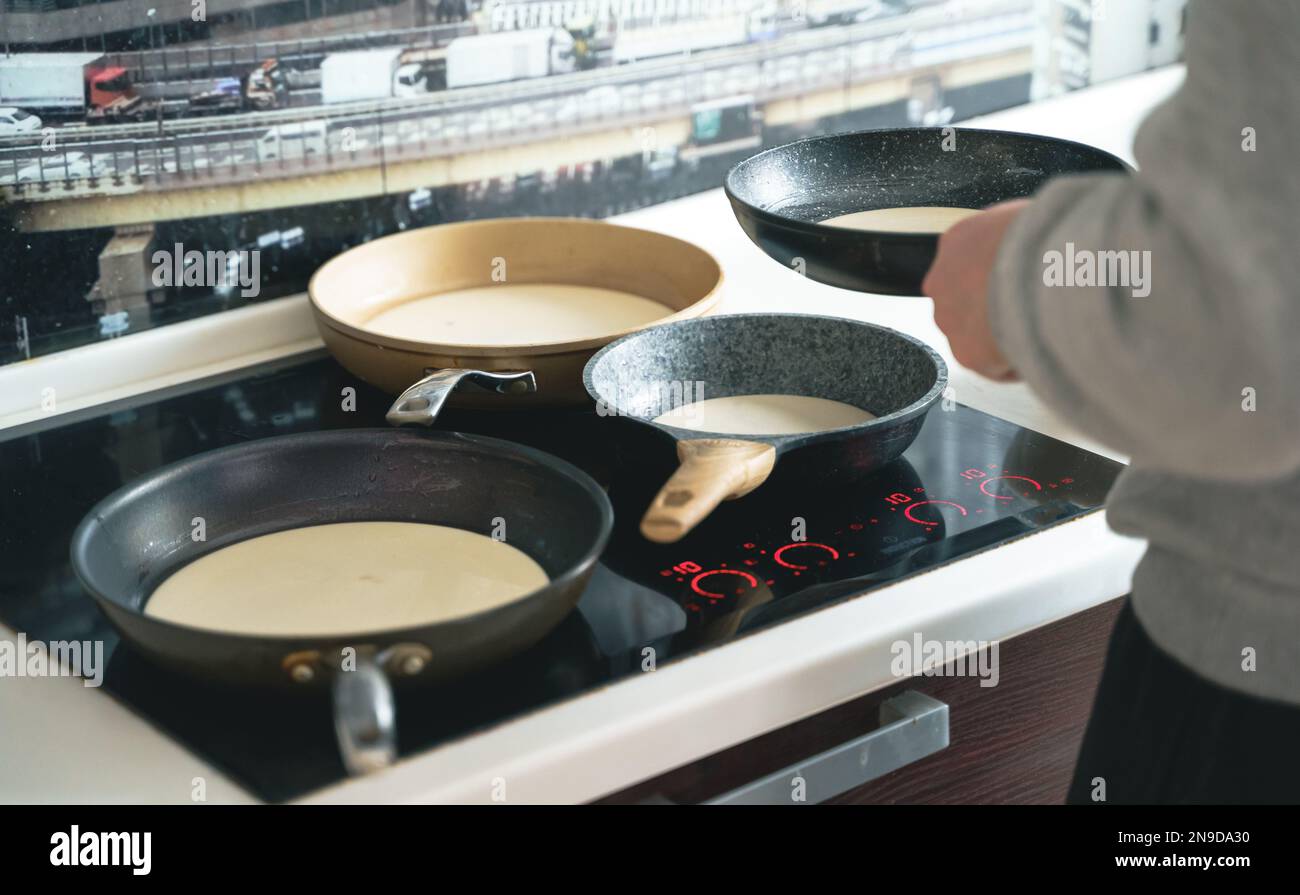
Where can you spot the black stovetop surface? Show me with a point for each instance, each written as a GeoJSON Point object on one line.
{"type": "Point", "coordinates": [968, 483]}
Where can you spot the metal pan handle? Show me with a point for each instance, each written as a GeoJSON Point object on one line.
{"type": "Point", "coordinates": [364, 717]}
{"type": "Point", "coordinates": [364, 710]}
{"type": "Point", "coordinates": [422, 402]}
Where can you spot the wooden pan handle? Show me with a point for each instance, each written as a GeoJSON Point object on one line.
{"type": "Point", "coordinates": [712, 470]}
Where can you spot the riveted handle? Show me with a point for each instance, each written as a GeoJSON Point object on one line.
{"type": "Point", "coordinates": [422, 402]}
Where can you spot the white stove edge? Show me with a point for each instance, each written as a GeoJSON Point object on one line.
{"type": "Point", "coordinates": [618, 735]}
{"type": "Point", "coordinates": [144, 362]}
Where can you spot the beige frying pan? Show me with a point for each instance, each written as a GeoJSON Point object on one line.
{"type": "Point", "coordinates": [353, 297]}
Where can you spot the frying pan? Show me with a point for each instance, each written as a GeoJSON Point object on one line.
{"type": "Point", "coordinates": [352, 289]}
{"type": "Point", "coordinates": [140, 534]}
{"type": "Point", "coordinates": [780, 196]}
{"type": "Point", "coordinates": [890, 374]}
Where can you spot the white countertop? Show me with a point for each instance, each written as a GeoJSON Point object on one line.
{"type": "Point", "coordinates": [64, 742]}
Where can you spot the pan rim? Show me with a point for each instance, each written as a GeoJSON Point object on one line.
{"type": "Point", "coordinates": [86, 528]}
{"type": "Point", "coordinates": [795, 439]}
{"type": "Point", "coordinates": [796, 225]}
{"type": "Point", "coordinates": [696, 308]}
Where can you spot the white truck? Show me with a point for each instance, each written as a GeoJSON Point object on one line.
{"type": "Point", "coordinates": [68, 84]}
{"type": "Point", "coordinates": [679, 38]}
{"type": "Point", "coordinates": [509, 56]}
{"type": "Point", "coordinates": [46, 80]}
{"type": "Point", "coordinates": [369, 74]}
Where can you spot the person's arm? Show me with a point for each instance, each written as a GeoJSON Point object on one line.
{"type": "Point", "coordinates": [1167, 378]}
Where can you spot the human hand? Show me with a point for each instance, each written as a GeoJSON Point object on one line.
{"type": "Point", "coordinates": [958, 281]}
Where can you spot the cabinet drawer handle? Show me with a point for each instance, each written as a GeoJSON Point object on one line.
{"type": "Point", "coordinates": [912, 726]}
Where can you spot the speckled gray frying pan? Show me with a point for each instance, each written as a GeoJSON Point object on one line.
{"type": "Point", "coordinates": [780, 195]}
{"type": "Point", "coordinates": [890, 374]}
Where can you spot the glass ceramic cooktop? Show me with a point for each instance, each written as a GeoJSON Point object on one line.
{"type": "Point", "coordinates": [970, 482]}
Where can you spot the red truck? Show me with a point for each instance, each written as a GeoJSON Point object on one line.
{"type": "Point", "coordinates": [82, 85]}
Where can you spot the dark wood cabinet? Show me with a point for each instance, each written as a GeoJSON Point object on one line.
{"type": "Point", "coordinates": [1015, 742]}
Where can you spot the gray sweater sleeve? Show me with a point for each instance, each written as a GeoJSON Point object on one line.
{"type": "Point", "coordinates": [1169, 378]}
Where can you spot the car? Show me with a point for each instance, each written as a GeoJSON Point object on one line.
{"type": "Point", "coordinates": [15, 122]}
{"type": "Point", "coordinates": [297, 140]}
{"type": "Point", "coordinates": [879, 9]}
{"type": "Point", "coordinates": [601, 102]}
{"type": "Point", "coordinates": [453, 128]}
{"type": "Point", "coordinates": [420, 199]}
{"type": "Point", "coordinates": [64, 166]}
{"type": "Point", "coordinates": [566, 111]}
{"type": "Point", "coordinates": [500, 119]}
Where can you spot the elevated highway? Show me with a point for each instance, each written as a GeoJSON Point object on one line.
{"type": "Point", "coordinates": [110, 176]}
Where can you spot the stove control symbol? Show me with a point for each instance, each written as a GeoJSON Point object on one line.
{"type": "Point", "coordinates": [912, 516]}
{"type": "Point", "coordinates": [738, 582]}
{"type": "Point", "coordinates": [1022, 484]}
{"type": "Point", "coordinates": [779, 555]}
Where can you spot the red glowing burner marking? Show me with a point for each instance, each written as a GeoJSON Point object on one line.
{"type": "Point", "coordinates": [984, 485]}
{"type": "Point", "coordinates": [695, 582]}
{"type": "Point", "coordinates": [835, 554]}
{"type": "Point", "coordinates": [926, 522]}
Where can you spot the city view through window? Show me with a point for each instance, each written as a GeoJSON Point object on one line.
{"type": "Point", "coordinates": [266, 137]}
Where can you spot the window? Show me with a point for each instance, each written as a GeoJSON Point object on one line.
{"type": "Point", "coordinates": [119, 84]}
{"type": "Point", "coordinates": [301, 170]}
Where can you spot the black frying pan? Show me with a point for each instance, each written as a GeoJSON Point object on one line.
{"type": "Point", "coordinates": [140, 534]}
{"type": "Point", "coordinates": [892, 375]}
{"type": "Point", "coordinates": [780, 195]}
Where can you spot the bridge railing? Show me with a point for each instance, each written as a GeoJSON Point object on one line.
{"type": "Point", "coordinates": [199, 62]}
